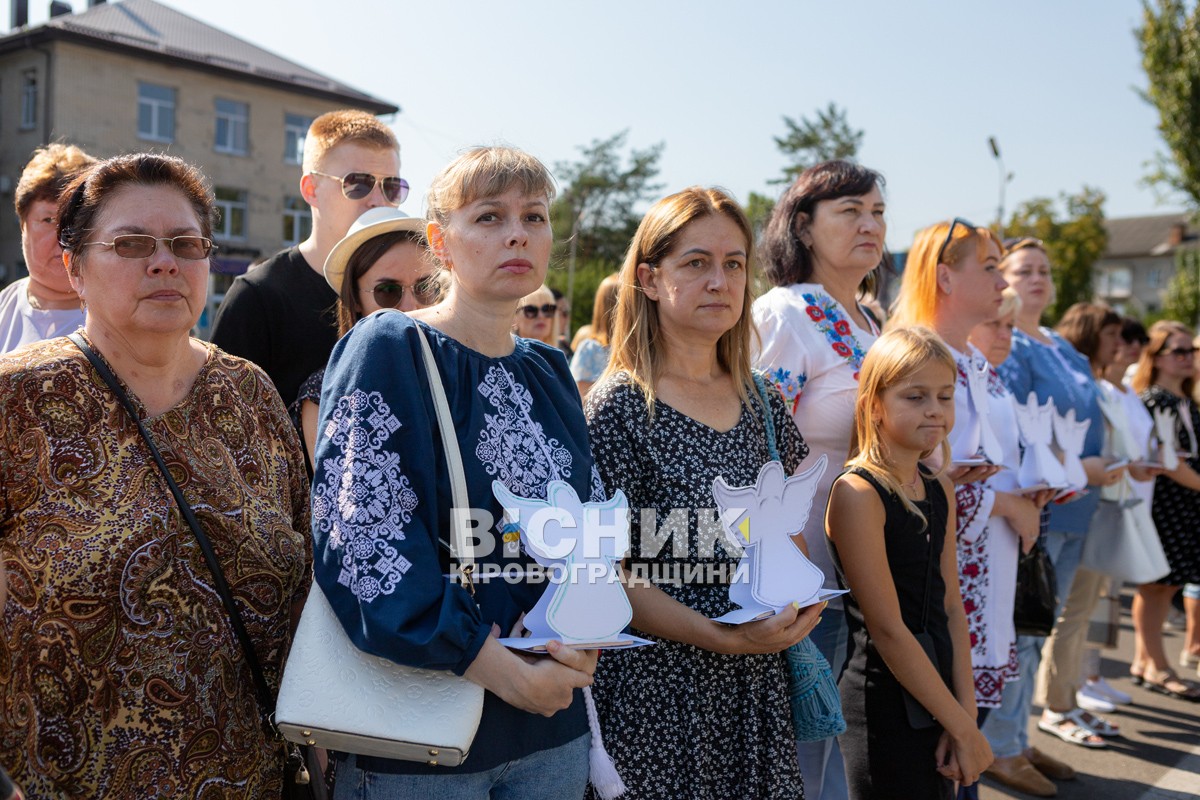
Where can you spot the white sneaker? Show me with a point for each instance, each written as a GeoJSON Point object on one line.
{"type": "Point", "coordinates": [1109, 693]}
{"type": "Point", "coordinates": [1089, 698]}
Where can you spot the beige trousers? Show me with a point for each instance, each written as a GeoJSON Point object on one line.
{"type": "Point", "coordinates": [1058, 676]}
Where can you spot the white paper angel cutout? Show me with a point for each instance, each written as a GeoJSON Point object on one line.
{"type": "Point", "coordinates": [776, 572]}
{"type": "Point", "coordinates": [977, 371]}
{"type": "Point", "coordinates": [1070, 434]}
{"type": "Point", "coordinates": [1039, 466]}
{"type": "Point", "coordinates": [1122, 446]}
{"type": "Point", "coordinates": [581, 544]}
{"type": "Point", "coordinates": [1165, 427]}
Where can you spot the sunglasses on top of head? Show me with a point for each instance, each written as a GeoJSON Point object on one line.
{"type": "Point", "coordinates": [357, 185]}
{"type": "Point", "coordinates": [531, 312]}
{"type": "Point", "coordinates": [950, 236]}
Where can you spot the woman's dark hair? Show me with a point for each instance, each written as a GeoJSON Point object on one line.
{"type": "Point", "coordinates": [86, 195]}
{"type": "Point", "coordinates": [1081, 326]}
{"type": "Point", "coordinates": [785, 258]}
{"type": "Point", "coordinates": [1133, 330]}
{"type": "Point", "coordinates": [350, 308]}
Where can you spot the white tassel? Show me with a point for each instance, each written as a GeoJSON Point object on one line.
{"type": "Point", "coordinates": [603, 772]}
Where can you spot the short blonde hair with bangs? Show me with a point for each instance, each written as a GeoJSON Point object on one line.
{"type": "Point", "coordinates": [338, 127]}
{"type": "Point", "coordinates": [918, 299]}
{"type": "Point", "coordinates": [486, 172]}
{"type": "Point", "coordinates": [896, 354]}
{"type": "Point", "coordinates": [636, 342]}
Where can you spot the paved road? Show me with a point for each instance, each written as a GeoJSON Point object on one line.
{"type": "Point", "coordinates": [1158, 756]}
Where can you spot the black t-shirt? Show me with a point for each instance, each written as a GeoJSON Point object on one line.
{"type": "Point", "coordinates": [281, 315]}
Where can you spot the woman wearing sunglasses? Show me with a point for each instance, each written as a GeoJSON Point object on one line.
{"type": "Point", "coordinates": [1165, 378]}
{"type": "Point", "coordinates": [536, 314]}
{"type": "Point", "coordinates": [383, 496]}
{"type": "Point", "coordinates": [121, 662]}
{"type": "Point", "coordinates": [380, 263]}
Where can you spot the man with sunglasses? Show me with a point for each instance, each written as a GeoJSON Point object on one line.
{"type": "Point", "coordinates": [282, 315]}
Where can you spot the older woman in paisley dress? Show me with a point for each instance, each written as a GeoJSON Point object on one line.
{"type": "Point", "coordinates": [382, 498]}
{"type": "Point", "coordinates": [121, 675]}
{"type": "Point", "coordinates": [705, 712]}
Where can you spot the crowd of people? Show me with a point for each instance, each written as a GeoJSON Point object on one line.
{"type": "Point", "coordinates": [166, 504]}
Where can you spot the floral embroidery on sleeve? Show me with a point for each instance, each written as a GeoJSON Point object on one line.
{"type": "Point", "coordinates": [790, 386]}
{"type": "Point", "coordinates": [824, 312]}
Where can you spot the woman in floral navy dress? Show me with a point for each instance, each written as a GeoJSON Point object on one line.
{"type": "Point", "coordinates": [704, 713]}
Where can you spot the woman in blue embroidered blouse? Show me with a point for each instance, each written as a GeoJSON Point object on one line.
{"type": "Point", "coordinates": [821, 249]}
{"type": "Point", "coordinates": [381, 496]}
{"type": "Point", "coordinates": [1046, 364]}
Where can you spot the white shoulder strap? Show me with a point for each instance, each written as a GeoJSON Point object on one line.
{"type": "Point", "coordinates": [462, 546]}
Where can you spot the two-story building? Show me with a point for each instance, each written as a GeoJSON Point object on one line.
{"type": "Point", "coordinates": [1140, 261]}
{"type": "Point", "coordinates": [138, 75]}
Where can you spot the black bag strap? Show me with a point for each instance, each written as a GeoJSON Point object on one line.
{"type": "Point", "coordinates": [266, 704]}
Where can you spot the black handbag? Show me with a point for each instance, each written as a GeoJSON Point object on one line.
{"type": "Point", "coordinates": [302, 772]}
{"type": "Point", "coordinates": [1036, 600]}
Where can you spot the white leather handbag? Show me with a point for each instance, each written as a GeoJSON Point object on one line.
{"type": "Point", "coordinates": [336, 696]}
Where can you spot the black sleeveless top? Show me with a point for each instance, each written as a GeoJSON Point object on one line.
{"type": "Point", "coordinates": [909, 548]}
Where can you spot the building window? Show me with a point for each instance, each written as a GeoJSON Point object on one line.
{"type": "Point", "coordinates": [29, 100]}
{"type": "Point", "coordinates": [295, 128]}
{"type": "Point", "coordinates": [1154, 278]}
{"type": "Point", "coordinates": [1116, 282]}
{"type": "Point", "coordinates": [231, 208]}
{"type": "Point", "coordinates": [233, 127]}
{"type": "Point", "coordinates": [297, 221]}
{"type": "Point", "coordinates": [156, 112]}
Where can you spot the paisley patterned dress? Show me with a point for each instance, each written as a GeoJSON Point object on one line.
{"type": "Point", "coordinates": [120, 676]}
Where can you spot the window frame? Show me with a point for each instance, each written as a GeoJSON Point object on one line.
{"type": "Point", "coordinates": [291, 127]}
{"type": "Point", "coordinates": [297, 214]}
{"type": "Point", "coordinates": [162, 113]}
{"type": "Point", "coordinates": [225, 213]}
{"type": "Point", "coordinates": [236, 121]}
{"type": "Point", "coordinates": [29, 100]}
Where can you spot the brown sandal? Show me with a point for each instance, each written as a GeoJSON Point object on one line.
{"type": "Point", "coordinates": [1162, 684]}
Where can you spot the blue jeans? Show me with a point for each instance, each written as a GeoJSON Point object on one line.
{"type": "Point", "coordinates": [1007, 727]}
{"type": "Point", "coordinates": [560, 772]}
{"type": "Point", "coordinates": [821, 762]}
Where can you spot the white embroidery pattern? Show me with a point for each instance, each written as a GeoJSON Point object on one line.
{"type": "Point", "coordinates": [364, 501]}
{"type": "Point", "coordinates": [512, 446]}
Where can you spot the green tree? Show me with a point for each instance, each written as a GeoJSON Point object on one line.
{"type": "Point", "coordinates": [600, 193]}
{"type": "Point", "coordinates": [1075, 238]}
{"type": "Point", "coordinates": [810, 141]}
{"type": "Point", "coordinates": [588, 275]}
{"type": "Point", "coordinates": [1183, 293]}
{"type": "Point", "coordinates": [1169, 40]}
{"type": "Point", "coordinates": [758, 210]}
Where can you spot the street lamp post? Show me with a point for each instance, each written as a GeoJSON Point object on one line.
{"type": "Point", "coordinates": [1005, 177]}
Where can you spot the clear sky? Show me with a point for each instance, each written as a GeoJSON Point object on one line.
{"type": "Point", "coordinates": [928, 82]}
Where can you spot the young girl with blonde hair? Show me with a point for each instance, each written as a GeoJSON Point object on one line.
{"type": "Point", "coordinates": [907, 689]}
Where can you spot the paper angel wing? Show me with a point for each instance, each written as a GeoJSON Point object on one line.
{"type": "Point", "coordinates": [1039, 467]}
{"type": "Point", "coordinates": [1070, 435]}
{"type": "Point", "coordinates": [978, 373]}
{"type": "Point", "coordinates": [1165, 423]}
{"type": "Point", "coordinates": [550, 531]}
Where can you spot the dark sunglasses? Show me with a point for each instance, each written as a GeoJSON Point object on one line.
{"type": "Point", "coordinates": [950, 236]}
{"type": "Point", "coordinates": [388, 294]}
{"type": "Point", "coordinates": [141, 245]}
{"type": "Point", "coordinates": [357, 185]}
{"type": "Point", "coordinates": [531, 312]}
{"type": "Point", "coordinates": [1179, 352]}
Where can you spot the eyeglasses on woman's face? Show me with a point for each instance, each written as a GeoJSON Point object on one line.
{"type": "Point", "coordinates": [1178, 352]}
{"type": "Point", "coordinates": [141, 245]}
{"type": "Point", "coordinates": [389, 294]}
{"type": "Point", "coordinates": [531, 312]}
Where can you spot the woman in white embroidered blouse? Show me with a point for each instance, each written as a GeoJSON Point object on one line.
{"type": "Point", "coordinates": [821, 249]}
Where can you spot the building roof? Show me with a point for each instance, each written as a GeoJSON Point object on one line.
{"type": "Point", "coordinates": [155, 30]}
{"type": "Point", "coordinates": [1130, 237]}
